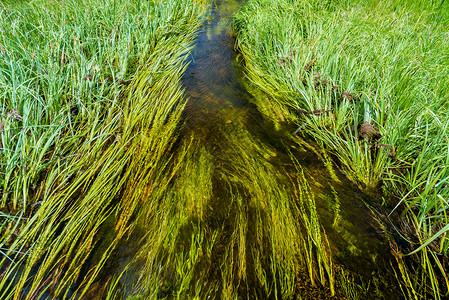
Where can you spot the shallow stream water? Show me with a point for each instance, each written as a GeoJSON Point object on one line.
{"type": "Point", "coordinates": [233, 224]}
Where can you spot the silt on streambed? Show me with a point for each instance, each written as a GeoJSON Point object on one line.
{"type": "Point", "coordinates": [249, 213]}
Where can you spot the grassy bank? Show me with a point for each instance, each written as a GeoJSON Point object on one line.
{"type": "Point", "coordinates": [90, 98]}
{"type": "Point", "coordinates": [368, 81]}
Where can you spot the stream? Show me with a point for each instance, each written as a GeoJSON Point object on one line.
{"type": "Point", "coordinates": [250, 213]}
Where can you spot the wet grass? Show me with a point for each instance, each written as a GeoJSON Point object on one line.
{"type": "Point", "coordinates": [367, 80]}
{"type": "Point", "coordinates": [90, 99]}
{"type": "Point", "coordinates": [317, 257]}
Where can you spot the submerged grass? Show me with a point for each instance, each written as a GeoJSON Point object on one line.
{"type": "Point", "coordinates": [224, 238]}
{"type": "Point", "coordinates": [90, 98]}
{"type": "Point", "coordinates": [317, 243]}
{"type": "Point", "coordinates": [368, 80]}
{"type": "Point", "coordinates": [235, 231]}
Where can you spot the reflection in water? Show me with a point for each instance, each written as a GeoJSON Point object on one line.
{"type": "Point", "coordinates": [249, 213]}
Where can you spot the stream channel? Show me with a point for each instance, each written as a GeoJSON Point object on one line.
{"type": "Point", "coordinates": [251, 214]}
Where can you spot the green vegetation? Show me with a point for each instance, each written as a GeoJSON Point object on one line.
{"type": "Point", "coordinates": [90, 108]}
{"type": "Point", "coordinates": [316, 243]}
{"type": "Point", "coordinates": [105, 194]}
{"type": "Point", "coordinates": [90, 98]}
{"type": "Point", "coordinates": [369, 82]}
{"type": "Point", "coordinates": [232, 232]}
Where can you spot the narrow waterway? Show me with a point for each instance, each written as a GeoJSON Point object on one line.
{"type": "Point", "coordinates": [249, 213]}
{"type": "Point", "coordinates": [244, 213]}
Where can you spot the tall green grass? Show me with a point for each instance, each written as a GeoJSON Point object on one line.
{"type": "Point", "coordinates": [90, 99]}
{"type": "Point", "coordinates": [383, 63]}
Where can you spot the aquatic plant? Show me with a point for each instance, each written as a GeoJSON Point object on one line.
{"type": "Point", "coordinates": [317, 254]}
{"type": "Point", "coordinates": [231, 233]}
